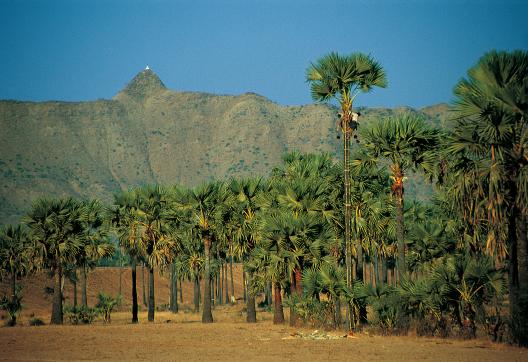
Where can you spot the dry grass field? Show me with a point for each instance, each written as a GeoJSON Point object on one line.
{"type": "Point", "coordinates": [183, 337]}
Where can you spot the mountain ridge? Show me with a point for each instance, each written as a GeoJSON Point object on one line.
{"type": "Point", "coordinates": [148, 133]}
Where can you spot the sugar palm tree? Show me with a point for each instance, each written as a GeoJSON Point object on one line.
{"type": "Point", "coordinates": [159, 245]}
{"type": "Point", "coordinates": [123, 218]}
{"type": "Point", "coordinates": [57, 231]}
{"type": "Point", "coordinates": [14, 259]}
{"type": "Point", "coordinates": [491, 135]}
{"type": "Point", "coordinates": [343, 77]}
{"type": "Point", "coordinates": [95, 244]}
{"type": "Point", "coordinates": [408, 144]}
{"type": "Point", "coordinates": [205, 201]}
{"type": "Point", "coordinates": [245, 193]}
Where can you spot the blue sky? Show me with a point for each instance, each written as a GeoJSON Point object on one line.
{"type": "Point", "coordinates": [84, 50]}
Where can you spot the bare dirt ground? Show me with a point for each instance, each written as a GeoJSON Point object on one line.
{"type": "Point", "coordinates": [182, 336]}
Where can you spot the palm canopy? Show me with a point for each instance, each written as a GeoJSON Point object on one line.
{"type": "Point", "coordinates": [405, 141]}
{"type": "Point", "coordinates": [56, 228]}
{"type": "Point", "coordinates": [344, 75]}
{"type": "Point", "coordinates": [14, 251]}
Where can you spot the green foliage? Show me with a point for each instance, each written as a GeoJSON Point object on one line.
{"type": "Point", "coordinates": [13, 306]}
{"type": "Point", "coordinates": [36, 321]}
{"type": "Point", "coordinates": [106, 305]}
{"type": "Point", "coordinates": [80, 314]}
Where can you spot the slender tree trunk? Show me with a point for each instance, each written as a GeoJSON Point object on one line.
{"type": "Point", "coordinates": [397, 190]}
{"type": "Point", "coordinates": [207, 315]}
{"type": "Point", "coordinates": [56, 310]}
{"type": "Point", "coordinates": [384, 272]}
{"type": "Point", "coordinates": [219, 290]}
{"type": "Point", "coordinates": [346, 109]}
{"type": "Point", "coordinates": [181, 291]}
{"type": "Point", "coordinates": [13, 296]}
{"type": "Point", "coordinates": [293, 292]}
{"type": "Point", "coordinates": [359, 263]}
{"type": "Point", "coordinates": [233, 299]}
{"type": "Point", "coordinates": [75, 293]}
{"type": "Point", "coordinates": [143, 289]}
{"type": "Point", "coordinates": [134, 290]}
{"type": "Point", "coordinates": [226, 284]}
{"type": "Point", "coordinates": [377, 270]}
{"type": "Point", "coordinates": [269, 296]}
{"type": "Point", "coordinates": [251, 308]}
{"type": "Point", "coordinates": [518, 273]}
{"type": "Point", "coordinates": [196, 292]}
{"type": "Point", "coordinates": [297, 290]}
{"type": "Point", "coordinates": [84, 296]}
{"type": "Point", "coordinates": [278, 311]}
{"type": "Point", "coordinates": [151, 302]}
{"type": "Point", "coordinates": [173, 301]}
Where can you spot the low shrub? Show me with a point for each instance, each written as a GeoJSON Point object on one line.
{"type": "Point", "coordinates": [76, 315]}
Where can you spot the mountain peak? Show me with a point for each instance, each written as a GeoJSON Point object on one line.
{"type": "Point", "coordinates": [144, 84]}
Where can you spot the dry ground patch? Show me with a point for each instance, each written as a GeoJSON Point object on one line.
{"type": "Point", "coordinates": [182, 336]}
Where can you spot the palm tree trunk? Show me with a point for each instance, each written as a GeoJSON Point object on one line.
{"type": "Point", "coordinates": [360, 264]}
{"type": "Point", "coordinates": [251, 308]}
{"type": "Point", "coordinates": [377, 270]}
{"type": "Point", "coordinates": [13, 296]}
{"type": "Point", "coordinates": [225, 283]}
{"type": "Point", "coordinates": [75, 291]}
{"type": "Point", "coordinates": [296, 289]}
{"type": "Point", "coordinates": [56, 309]}
{"type": "Point", "coordinates": [347, 133]}
{"type": "Point", "coordinates": [518, 274]}
{"type": "Point", "coordinates": [151, 302]}
{"type": "Point", "coordinates": [384, 271]}
{"type": "Point", "coordinates": [278, 311]}
{"type": "Point", "coordinates": [232, 281]}
{"type": "Point", "coordinates": [84, 296]}
{"type": "Point", "coordinates": [181, 291]}
{"type": "Point", "coordinates": [207, 315]}
{"type": "Point", "coordinates": [397, 190]}
{"type": "Point", "coordinates": [134, 290]}
{"type": "Point", "coordinates": [143, 284]}
{"type": "Point", "coordinates": [173, 300]}
{"type": "Point", "coordinates": [269, 296]}
{"type": "Point", "coordinates": [196, 292]}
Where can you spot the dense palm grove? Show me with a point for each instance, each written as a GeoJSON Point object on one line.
{"type": "Point", "coordinates": [336, 243]}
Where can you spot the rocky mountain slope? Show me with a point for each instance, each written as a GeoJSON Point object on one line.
{"type": "Point", "coordinates": [150, 134]}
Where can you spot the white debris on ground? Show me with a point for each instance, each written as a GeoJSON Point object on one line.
{"type": "Point", "coordinates": [317, 335]}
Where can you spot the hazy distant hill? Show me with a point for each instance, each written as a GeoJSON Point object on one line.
{"type": "Point", "coordinates": [149, 134]}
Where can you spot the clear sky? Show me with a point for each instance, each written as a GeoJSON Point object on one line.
{"type": "Point", "coordinates": [84, 50]}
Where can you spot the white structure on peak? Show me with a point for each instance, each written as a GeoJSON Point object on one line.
{"type": "Point", "coordinates": [147, 67]}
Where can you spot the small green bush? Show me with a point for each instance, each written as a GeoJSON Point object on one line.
{"type": "Point", "coordinates": [12, 307]}
{"type": "Point", "coordinates": [76, 315]}
{"type": "Point", "coordinates": [106, 305]}
{"type": "Point", "coordinates": [35, 321]}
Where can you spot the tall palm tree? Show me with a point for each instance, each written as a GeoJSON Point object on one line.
{"type": "Point", "coordinates": [159, 246]}
{"type": "Point", "coordinates": [245, 209]}
{"type": "Point", "coordinates": [343, 77]}
{"type": "Point", "coordinates": [205, 201]}
{"type": "Point", "coordinates": [491, 135]}
{"type": "Point", "coordinates": [57, 232]}
{"type": "Point", "coordinates": [14, 258]}
{"type": "Point", "coordinates": [95, 244]}
{"type": "Point", "coordinates": [408, 144]}
{"type": "Point", "coordinates": [123, 218]}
